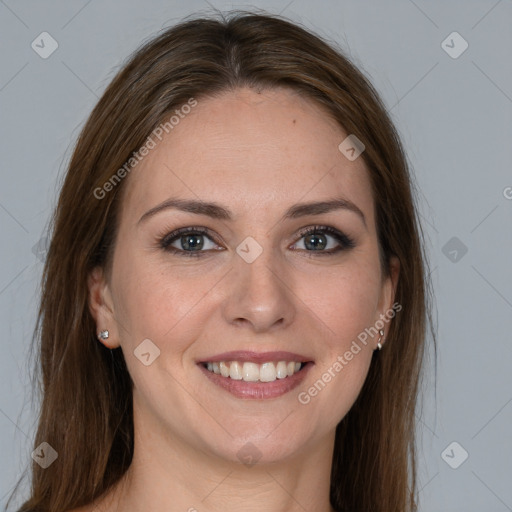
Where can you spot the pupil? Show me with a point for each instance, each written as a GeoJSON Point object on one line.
{"type": "Point", "coordinates": [314, 245]}
{"type": "Point", "coordinates": [192, 241]}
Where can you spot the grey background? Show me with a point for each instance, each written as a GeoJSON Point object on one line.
{"type": "Point", "coordinates": [454, 116]}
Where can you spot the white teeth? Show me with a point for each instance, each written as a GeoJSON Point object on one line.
{"type": "Point", "coordinates": [235, 370]}
{"type": "Point", "coordinates": [224, 369]}
{"type": "Point", "coordinates": [250, 372]}
{"type": "Point", "coordinates": [281, 371]}
{"type": "Point", "coordinates": [268, 372]}
{"type": "Point", "coordinates": [253, 372]}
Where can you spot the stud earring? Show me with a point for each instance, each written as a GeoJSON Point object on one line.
{"type": "Point", "coordinates": [379, 344]}
{"type": "Point", "coordinates": [103, 335]}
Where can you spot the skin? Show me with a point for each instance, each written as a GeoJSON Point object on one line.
{"type": "Point", "coordinates": [257, 154]}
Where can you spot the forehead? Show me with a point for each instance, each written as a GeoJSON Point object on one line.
{"type": "Point", "coordinates": [250, 149]}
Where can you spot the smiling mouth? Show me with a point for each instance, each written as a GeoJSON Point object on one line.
{"type": "Point", "coordinates": [254, 372]}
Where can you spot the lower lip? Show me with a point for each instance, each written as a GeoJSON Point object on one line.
{"type": "Point", "coordinates": [258, 390]}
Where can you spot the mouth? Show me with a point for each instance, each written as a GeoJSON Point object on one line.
{"type": "Point", "coordinates": [256, 375]}
{"type": "Point", "coordinates": [253, 372]}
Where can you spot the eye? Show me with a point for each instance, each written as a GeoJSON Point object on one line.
{"type": "Point", "coordinates": [197, 241]}
{"type": "Point", "coordinates": [190, 241]}
{"type": "Point", "coordinates": [324, 240]}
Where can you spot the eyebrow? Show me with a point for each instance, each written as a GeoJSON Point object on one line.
{"type": "Point", "coordinates": [217, 211]}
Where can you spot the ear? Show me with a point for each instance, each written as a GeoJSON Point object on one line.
{"type": "Point", "coordinates": [101, 307]}
{"type": "Point", "coordinates": [388, 290]}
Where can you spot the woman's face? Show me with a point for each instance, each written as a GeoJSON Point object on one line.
{"type": "Point", "coordinates": [251, 286]}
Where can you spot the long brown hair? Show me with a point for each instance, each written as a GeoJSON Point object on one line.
{"type": "Point", "coordinates": [86, 408]}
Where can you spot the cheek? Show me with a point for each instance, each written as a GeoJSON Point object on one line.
{"type": "Point", "coordinates": [346, 306]}
{"type": "Point", "coordinates": [157, 302]}
{"type": "Point", "coordinates": [344, 300]}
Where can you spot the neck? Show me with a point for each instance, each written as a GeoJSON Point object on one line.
{"type": "Point", "coordinates": [167, 473]}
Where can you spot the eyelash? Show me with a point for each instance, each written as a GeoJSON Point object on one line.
{"type": "Point", "coordinates": [344, 240]}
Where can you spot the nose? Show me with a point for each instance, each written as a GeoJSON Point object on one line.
{"type": "Point", "coordinates": [260, 295]}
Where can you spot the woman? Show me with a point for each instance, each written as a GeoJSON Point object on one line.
{"type": "Point", "coordinates": [235, 298]}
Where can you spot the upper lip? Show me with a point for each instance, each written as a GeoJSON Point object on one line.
{"type": "Point", "coordinates": [256, 357]}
